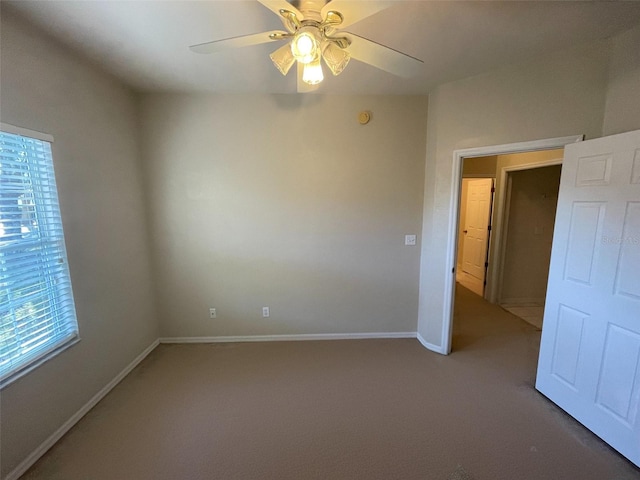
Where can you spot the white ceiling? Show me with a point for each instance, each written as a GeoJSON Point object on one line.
{"type": "Point", "coordinates": [145, 43]}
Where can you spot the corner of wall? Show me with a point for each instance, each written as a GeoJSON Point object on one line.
{"type": "Point", "coordinates": [622, 96]}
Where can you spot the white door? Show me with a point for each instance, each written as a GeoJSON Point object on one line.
{"type": "Point", "coordinates": [476, 232]}
{"type": "Point", "coordinates": [590, 351]}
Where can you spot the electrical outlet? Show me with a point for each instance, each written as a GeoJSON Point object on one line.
{"type": "Point", "coordinates": [265, 312]}
{"type": "Point", "coordinates": [212, 313]}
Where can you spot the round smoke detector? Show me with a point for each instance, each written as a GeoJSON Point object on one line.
{"type": "Point", "coordinates": [364, 117]}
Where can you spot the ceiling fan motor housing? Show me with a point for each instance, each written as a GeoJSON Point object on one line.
{"type": "Point", "coordinates": [310, 9]}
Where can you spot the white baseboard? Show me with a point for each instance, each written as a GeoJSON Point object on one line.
{"type": "Point", "coordinates": [287, 338]}
{"type": "Point", "coordinates": [430, 346]}
{"type": "Point", "coordinates": [66, 426]}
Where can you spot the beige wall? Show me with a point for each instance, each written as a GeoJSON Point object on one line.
{"type": "Point", "coordinates": [559, 95]}
{"type": "Point", "coordinates": [480, 166]}
{"type": "Point", "coordinates": [285, 201]}
{"type": "Point", "coordinates": [622, 108]}
{"type": "Point", "coordinates": [93, 121]}
{"type": "Point", "coordinates": [523, 159]}
{"type": "Point", "coordinates": [527, 244]}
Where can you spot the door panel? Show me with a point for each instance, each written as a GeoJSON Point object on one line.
{"type": "Point", "coordinates": [618, 386]}
{"type": "Point", "coordinates": [568, 340]}
{"type": "Point", "coordinates": [585, 228]}
{"type": "Point", "coordinates": [590, 350]}
{"type": "Point", "coordinates": [627, 281]}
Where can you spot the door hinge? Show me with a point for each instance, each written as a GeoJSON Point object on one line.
{"type": "Point", "coordinates": [493, 189]}
{"type": "Point", "coordinates": [489, 228]}
{"type": "Point", "coordinates": [453, 270]}
{"type": "Point", "coordinates": [486, 264]}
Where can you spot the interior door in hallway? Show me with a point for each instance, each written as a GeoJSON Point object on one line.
{"type": "Point", "coordinates": [589, 360]}
{"type": "Point", "coordinates": [476, 230]}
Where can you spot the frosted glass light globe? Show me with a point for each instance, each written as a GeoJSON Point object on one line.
{"type": "Point", "coordinates": [312, 73]}
{"type": "Point", "coordinates": [304, 47]}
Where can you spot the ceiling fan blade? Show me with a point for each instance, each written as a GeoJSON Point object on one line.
{"type": "Point", "coordinates": [383, 57]}
{"type": "Point", "coordinates": [302, 86]}
{"type": "Point", "coordinates": [276, 5]}
{"type": "Point", "coordinates": [354, 11]}
{"type": "Point", "coordinates": [237, 42]}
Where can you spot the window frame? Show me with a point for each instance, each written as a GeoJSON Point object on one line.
{"type": "Point", "coordinates": [23, 369]}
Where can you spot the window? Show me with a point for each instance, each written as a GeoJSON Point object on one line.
{"type": "Point", "coordinates": [37, 313]}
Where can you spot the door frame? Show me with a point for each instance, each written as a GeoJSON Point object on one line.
{"type": "Point", "coordinates": [502, 218]}
{"type": "Point", "coordinates": [454, 214]}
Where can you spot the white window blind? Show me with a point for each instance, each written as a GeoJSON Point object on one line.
{"type": "Point", "coordinates": [37, 313]}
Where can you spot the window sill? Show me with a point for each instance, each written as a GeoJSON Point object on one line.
{"type": "Point", "coordinates": [36, 363]}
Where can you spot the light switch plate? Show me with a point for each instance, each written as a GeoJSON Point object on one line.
{"type": "Point", "coordinates": [409, 239]}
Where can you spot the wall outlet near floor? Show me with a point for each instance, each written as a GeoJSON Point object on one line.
{"type": "Point", "coordinates": [212, 313]}
{"type": "Point", "coordinates": [409, 239]}
{"type": "Point", "coordinates": [265, 312]}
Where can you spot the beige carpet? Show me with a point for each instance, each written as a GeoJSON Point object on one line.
{"type": "Point", "coordinates": [362, 409]}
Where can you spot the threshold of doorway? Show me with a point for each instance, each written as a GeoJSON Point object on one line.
{"type": "Point", "coordinates": [531, 312]}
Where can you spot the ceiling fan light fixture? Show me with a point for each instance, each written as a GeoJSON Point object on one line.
{"type": "Point", "coordinates": [283, 59]}
{"type": "Point", "coordinates": [312, 72]}
{"type": "Point", "coordinates": [305, 46]}
{"type": "Point", "coordinates": [313, 34]}
{"type": "Point", "coordinates": [335, 57]}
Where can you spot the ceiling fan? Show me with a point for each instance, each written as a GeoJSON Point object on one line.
{"type": "Point", "coordinates": [314, 33]}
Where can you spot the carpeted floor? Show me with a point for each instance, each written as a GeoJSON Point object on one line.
{"type": "Point", "coordinates": [361, 409]}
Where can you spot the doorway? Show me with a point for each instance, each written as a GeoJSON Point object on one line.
{"type": "Point", "coordinates": [476, 201]}
{"type": "Point", "coordinates": [531, 203]}
{"type": "Point", "coordinates": [459, 157]}
{"type": "Point", "coordinates": [528, 184]}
